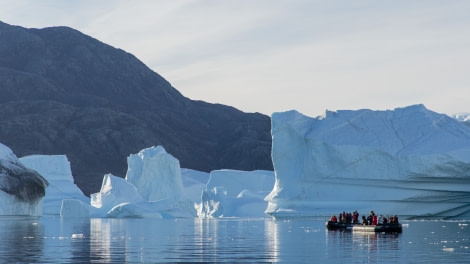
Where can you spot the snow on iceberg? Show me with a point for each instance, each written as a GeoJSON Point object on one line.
{"type": "Point", "coordinates": [231, 193]}
{"type": "Point", "coordinates": [21, 189]}
{"type": "Point", "coordinates": [409, 161]}
{"type": "Point", "coordinates": [56, 170]}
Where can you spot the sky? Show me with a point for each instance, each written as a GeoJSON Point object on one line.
{"type": "Point", "coordinates": [271, 56]}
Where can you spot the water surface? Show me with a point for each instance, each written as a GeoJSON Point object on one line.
{"type": "Point", "coordinates": [56, 240]}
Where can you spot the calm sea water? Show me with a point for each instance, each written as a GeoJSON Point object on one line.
{"type": "Point", "coordinates": [56, 240]}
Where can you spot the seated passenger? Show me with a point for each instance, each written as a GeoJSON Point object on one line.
{"type": "Point", "coordinates": [374, 220]}
{"type": "Point", "coordinates": [342, 217]}
{"type": "Point", "coordinates": [380, 220]}
{"type": "Point", "coordinates": [355, 217]}
{"type": "Point", "coordinates": [395, 219]}
{"type": "Point", "coordinates": [364, 220]}
{"type": "Point", "coordinates": [333, 219]}
{"type": "Point", "coordinates": [369, 220]}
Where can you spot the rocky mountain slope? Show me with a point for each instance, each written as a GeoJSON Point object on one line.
{"type": "Point", "coordinates": [63, 92]}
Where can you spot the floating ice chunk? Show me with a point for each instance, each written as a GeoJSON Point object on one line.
{"type": "Point", "coordinates": [78, 236]}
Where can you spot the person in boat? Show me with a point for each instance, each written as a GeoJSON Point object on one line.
{"type": "Point", "coordinates": [385, 221]}
{"type": "Point", "coordinates": [364, 220]}
{"type": "Point", "coordinates": [380, 220]}
{"type": "Point", "coordinates": [355, 217]}
{"type": "Point", "coordinates": [374, 220]}
{"type": "Point", "coordinates": [369, 219]}
{"type": "Point", "coordinates": [393, 219]}
{"type": "Point", "coordinates": [334, 219]}
{"type": "Point", "coordinates": [343, 217]}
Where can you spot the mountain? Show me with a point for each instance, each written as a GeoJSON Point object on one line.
{"type": "Point", "coordinates": [63, 92]}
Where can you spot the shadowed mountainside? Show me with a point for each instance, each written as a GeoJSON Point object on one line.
{"type": "Point", "coordinates": [63, 92]}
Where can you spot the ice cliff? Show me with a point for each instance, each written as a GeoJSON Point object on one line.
{"type": "Point", "coordinates": [408, 161]}
{"type": "Point", "coordinates": [21, 189]}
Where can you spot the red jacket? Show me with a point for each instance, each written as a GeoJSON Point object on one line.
{"type": "Point", "coordinates": [374, 220]}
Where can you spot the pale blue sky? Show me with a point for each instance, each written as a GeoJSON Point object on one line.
{"type": "Point", "coordinates": [270, 56]}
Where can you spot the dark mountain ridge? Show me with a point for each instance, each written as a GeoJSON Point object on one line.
{"type": "Point", "coordinates": [63, 92]}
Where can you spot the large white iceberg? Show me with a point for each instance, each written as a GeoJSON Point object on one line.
{"type": "Point", "coordinates": [21, 189]}
{"type": "Point", "coordinates": [231, 193]}
{"type": "Point", "coordinates": [56, 170]}
{"type": "Point", "coordinates": [409, 161]}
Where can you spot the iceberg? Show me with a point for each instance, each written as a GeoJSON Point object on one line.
{"type": "Point", "coordinates": [156, 174]}
{"type": "Point", "coordinates": [118, 198]}
{"type": "Point", "coordinates": [21, 189]}
{"type": "Point", "coordinates": [408, 161]}
{"type": "Point", "coordinates": [74, 208]}
{"type": "Point", "coordinates": [153, 188]}
{"type": "Point", "coordinates": [193, 183]}
{"type": "Point", "coordinates": [56, 170]}
{"type": "Point", "coordinates": [114, 191]}
{"type": "Point", "coordinates": [231, 193]}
